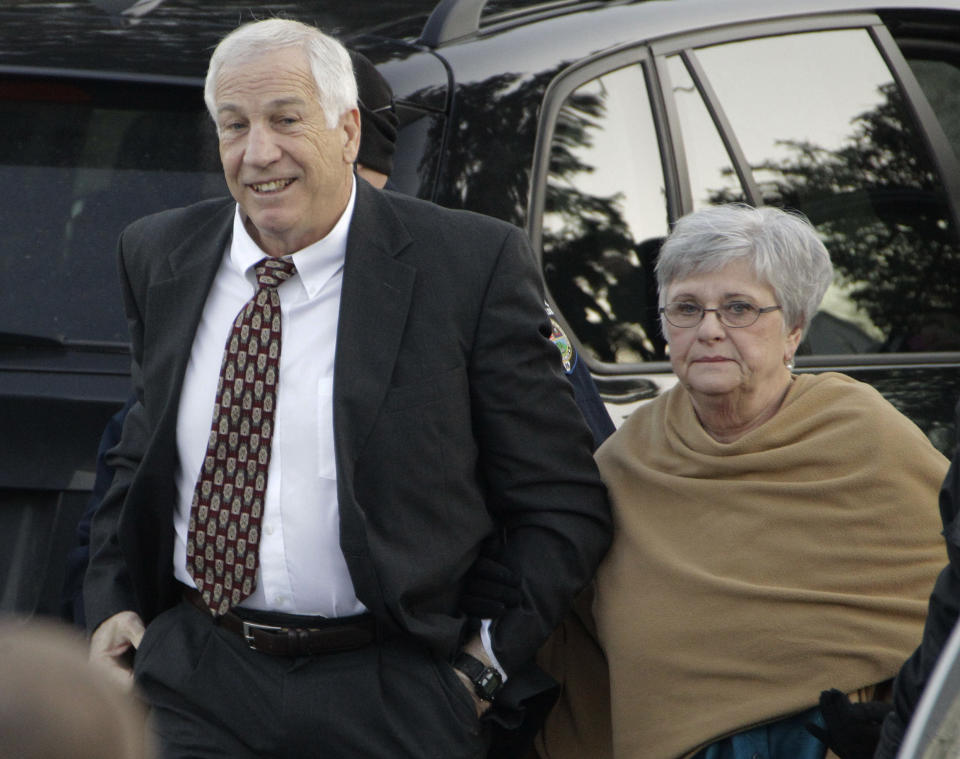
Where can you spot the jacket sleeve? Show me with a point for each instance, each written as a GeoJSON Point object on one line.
{"type": "Point", "coordinates": [106, 587]}
{"type": "Point", "coordinates": [942, 614]}
{"type": "Point", "coordinates": [543, 487]}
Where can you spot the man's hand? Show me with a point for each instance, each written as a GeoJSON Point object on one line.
{"type": "Point", "coordinates": [112, 644]}
{"type": "Point", "coordinates": [852, 729]}
{"type": "Point", "coordinates": [475, 648]}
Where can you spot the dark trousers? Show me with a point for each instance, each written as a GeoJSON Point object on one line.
{"type": "Point", "coordinates": [211, 696]}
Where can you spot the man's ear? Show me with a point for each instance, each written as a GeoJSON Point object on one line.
{"type": "Point", "coordinates": [350, 134]}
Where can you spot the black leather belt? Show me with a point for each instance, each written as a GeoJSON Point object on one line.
{"type": "Point", "coordinates": [275, 634]}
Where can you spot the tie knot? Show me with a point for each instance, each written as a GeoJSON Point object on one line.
{"type": "Point", "coordinates": [272, 271]}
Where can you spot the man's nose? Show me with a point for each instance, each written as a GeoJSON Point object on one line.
{"type": "Point", "coordinates": [262, 148]}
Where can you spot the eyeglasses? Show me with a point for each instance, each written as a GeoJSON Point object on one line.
{"type": "Point", "coordinates": [736, 313]}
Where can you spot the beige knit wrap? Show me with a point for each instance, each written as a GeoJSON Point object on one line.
{"type": "Point", "coordinates": [747, 577]}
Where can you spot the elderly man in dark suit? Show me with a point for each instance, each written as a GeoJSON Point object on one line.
{"type": "Point", "coordinates": [385, 397]}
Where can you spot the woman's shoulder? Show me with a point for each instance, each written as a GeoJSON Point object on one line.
{"type": "Point", "coordinates": [836, 400]}
{"type": "Point", "coordinates": [643, 423]}
{"type": "Point", "coordinates": [836, 388]}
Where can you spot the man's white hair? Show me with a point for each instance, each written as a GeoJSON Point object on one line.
{"type": "Point", "coordinates": [329, 61]}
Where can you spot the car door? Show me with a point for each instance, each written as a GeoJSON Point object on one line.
{"type": "Point", "coordinates": [850, 120]}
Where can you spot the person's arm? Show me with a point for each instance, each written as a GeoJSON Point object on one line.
{"type": "Point", "coordinates": [79, 555]}
{"type": "Point", "coordinates": [584, 388]}
{"type": "Point", "coordinates": [475, 648]}
{"type": "Point", "coordinates": [115, 634]}
{"type": "Point", "coordinates": [942, 614]}
{"type": "Point", "coordinates": [110, 605]}
{"type": "Point", "coordinates": [543, 486]}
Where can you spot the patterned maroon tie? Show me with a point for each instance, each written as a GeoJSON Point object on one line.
{"type": "Point", "coordinates": [228, 500]}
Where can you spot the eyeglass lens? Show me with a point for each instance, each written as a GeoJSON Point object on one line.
{"type": "Point", "coordinates": [732, 314]}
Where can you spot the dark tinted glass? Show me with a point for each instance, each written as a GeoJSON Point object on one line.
{"type": "Point", "coordinates": [79, 161]}
{"type": "Point", "coordinates": [940, 80]}
{"type": "Point", "coordinates": [605, 216]}
{"type": "Point", "coordinates": [415, 158]}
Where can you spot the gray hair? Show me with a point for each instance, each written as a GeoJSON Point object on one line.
{"type": "Point", "coordinates": [329, 61]}
{"type": "Point", "coordinates": [782, 248]}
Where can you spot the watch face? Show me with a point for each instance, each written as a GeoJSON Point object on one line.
{"type": "Point", "coordinates": [486, 680]}
{"type": "Point", "coordinates": [488, 683]}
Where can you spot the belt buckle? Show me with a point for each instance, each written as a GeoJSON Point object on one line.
{"type": "Point", "coordinates": [250, 627]}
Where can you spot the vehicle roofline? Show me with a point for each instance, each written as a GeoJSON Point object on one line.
{"type": "Point", "coordinates": [457, 21]}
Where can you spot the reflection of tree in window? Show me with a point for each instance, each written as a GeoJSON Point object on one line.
{"type": "Point", "coordinates": [706, 156]}
{"type": "Point", "coordinates": [601, 280]}
{"type": "Point", "coordinates": [884, 217]}
{"type": "Point", "coordinates": [501, 111]}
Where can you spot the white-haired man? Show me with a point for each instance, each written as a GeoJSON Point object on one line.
{"type": "Point", "coordinates": [385, 397]}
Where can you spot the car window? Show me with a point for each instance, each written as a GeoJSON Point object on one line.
{"type": "Point", "coordinates": [825, 130]}
{"type": "Point", "coordinates": [415, 158]}
{"type": "Point", "coordinates": [709, 168]}
{"type": "Point", "coordinates": [79, 160]}
{"type": "Point", "coordinates": [604, 217]}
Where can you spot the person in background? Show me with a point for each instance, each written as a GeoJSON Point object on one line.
{"type": "Point", "coordinates": [378, 122]}
{"type": "Point", "coordinates": [53, 703]}
{"type": "Point", "coordinates": [774, 533]}
{"type": "Point", "coordinates": [71, 604]}
{"type": "Point", "coordinates": [298, 562]}
{"type": "Point", "coordinates": [942, 614]}
{"type": "Point", "coordinates": [584, 388]}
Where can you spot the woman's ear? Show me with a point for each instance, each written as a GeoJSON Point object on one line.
{"type": "Point", "coordinates": [791, 343]}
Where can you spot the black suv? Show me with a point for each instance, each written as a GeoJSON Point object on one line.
{"type": "Point", "coordinates": [592, 125]}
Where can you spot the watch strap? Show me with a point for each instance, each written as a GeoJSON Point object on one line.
{"type": "Point", "coordinates": [486, 680]}
{"type": "Point", "coordinates": [471, 666]}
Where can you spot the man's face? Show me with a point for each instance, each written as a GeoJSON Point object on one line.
{"type": "Point", "coordinates": [290, 172]}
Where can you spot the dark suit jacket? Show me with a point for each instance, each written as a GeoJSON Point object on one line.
{"type": "Point", "coordinates": [452, 421]}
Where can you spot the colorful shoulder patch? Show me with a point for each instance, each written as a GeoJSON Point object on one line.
{"type": "Point", "coordinates": [560, 339]}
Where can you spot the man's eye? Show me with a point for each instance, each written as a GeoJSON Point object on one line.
{"type": "Point", "coordinates": [686, 309]}
{"type": "Point", "coordinates": [739, 308]}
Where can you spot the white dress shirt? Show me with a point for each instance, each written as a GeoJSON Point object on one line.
{"type": "Point", "coordinates": [302, 568]}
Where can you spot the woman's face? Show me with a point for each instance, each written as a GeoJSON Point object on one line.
{"type": "Point", "coordinates": [711, 359]}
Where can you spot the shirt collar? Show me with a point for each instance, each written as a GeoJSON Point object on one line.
{"type": "Point", "coordinates": [316, 263]}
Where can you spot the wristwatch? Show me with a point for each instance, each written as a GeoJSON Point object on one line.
{"type": "Point", "coordinates": [487, 681]}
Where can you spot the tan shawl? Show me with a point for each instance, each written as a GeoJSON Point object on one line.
{"type": "Point", "coordinates": [746, 577]}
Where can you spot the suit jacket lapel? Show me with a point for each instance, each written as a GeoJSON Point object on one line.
{"type": "Point", "coordinates": [375, 299]}
{"type": "Point", "coordinates": [177, 304]}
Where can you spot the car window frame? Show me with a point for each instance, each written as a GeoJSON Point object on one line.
{"type": "Point", "coordinates": [941, 151]}
{"type": "Point", "coordinates": [555, 96]}
{"type": "Point", "coordinates": [652, 55]}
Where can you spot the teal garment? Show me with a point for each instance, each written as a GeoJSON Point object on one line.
{"type": "Point", "coordinates": [785, 739]}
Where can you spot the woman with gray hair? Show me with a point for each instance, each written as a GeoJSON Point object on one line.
{"type": "Point", "coordinates": [776, 534]}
